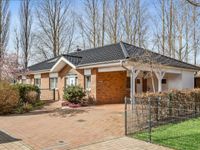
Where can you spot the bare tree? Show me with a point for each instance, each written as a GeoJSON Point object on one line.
{"type": "Point", "coordinates": [103, 21]}
{"type": "Point", "coordinates": [163, 27]}
{"type": "Point", "coordinates": [4, 28]}
{"type": "Point", "coordinates": [113, 29]}
{"type": "Point", "coordinates": [194, 3]}
{"type": "Point", "coordinates": [194, 20]}
{"type": "Point", "coordinates": [55, 30]}
{"type": "Point", "coordinates": [26, 34]}
{"type": "Point", "coordinates": [16, 42]}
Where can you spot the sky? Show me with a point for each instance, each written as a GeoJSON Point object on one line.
{"type": "Point", "coordinates": [14, 8]}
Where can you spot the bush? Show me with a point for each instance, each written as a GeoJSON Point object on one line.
{"type": "Point", "coordinates": [9, 98]}
{"type": "Point", "coordinates": [74, 94]}
{"type": "Point", "coordinates": [25, 92]}
{"type": "Point", "coordinates": [31, 97]}
{"type": "Point", "coordinates": [24, 108]}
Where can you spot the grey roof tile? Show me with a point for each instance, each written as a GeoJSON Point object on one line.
{"type": "Point", "coordinates": [109, 53]}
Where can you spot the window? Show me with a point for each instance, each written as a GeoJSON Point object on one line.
{"type": "Point", "coordinates": [37, 82]}
{"type": "Point", "coordinates": [164, 81]}
{"type": "Point", "coordinates": [138, 81]}
{"type": "Point", "coordinates": [71, 80]}
{"type": "Point", "coordinates": [53, 83]}
{"type": "Point", "coordinates": [23, 81]}
{"type": "Point", "coordinates": [88, 82]}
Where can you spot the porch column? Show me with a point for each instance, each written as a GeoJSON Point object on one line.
{"type": "Point", "coordinates": [134, 74]}
{"type": "Point", "coordinates": [159, 75]}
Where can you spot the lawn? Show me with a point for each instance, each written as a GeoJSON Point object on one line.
{"type": "Point", "coordinates": [180, 136]}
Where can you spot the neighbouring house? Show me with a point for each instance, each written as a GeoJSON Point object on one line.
{"type": "Point", "coordinates": [111, 72]}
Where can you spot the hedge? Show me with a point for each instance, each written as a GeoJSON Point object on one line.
{"type": "Point", "coordinates": [168, 106]}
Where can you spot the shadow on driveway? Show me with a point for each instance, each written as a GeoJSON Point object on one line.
{"type": "Point", "coordinates": [5, 138]}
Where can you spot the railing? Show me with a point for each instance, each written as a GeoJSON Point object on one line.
{"type": "Point", "coordinates": [142, 115]}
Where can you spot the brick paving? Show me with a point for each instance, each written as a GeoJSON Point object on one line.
{"type": "Point", "coordinates": [65, 129]}
{"type": "Point", "coordinates": [54, 129]}
{"type": "Point", "coordinates": [123, 143]}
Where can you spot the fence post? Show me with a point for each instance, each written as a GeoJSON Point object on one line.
{"type": "Point", "coordinates": [149, 120]}
{"type": "Point", "coordinates": [54, 94]}
{"type": "Point", "coordinates": [125, 115]}
{"type": "Point", "coordinates": [170, 104]}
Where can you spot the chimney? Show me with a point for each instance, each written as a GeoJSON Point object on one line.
{"type": "Point", "coordinates": [78, 49]}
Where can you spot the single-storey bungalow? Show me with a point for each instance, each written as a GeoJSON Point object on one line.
{"type": "Point", "coordinates": [111, 72]}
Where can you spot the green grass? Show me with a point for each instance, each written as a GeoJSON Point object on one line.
{"type": "Point", "coordinates": [180, 136]}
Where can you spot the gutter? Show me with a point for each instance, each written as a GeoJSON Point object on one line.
{"type": "Point", "coordinates": [121, 64]}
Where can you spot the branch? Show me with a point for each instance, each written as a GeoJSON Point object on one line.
{"type": "Point", "coordinates": [193, 3]}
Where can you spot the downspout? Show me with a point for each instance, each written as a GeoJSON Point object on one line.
{"type": "Point", "coordinates": [121, 64]}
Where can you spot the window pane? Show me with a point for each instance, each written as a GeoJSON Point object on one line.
{"type": "Point", "coordinates": [87, 82]}
{"type": "Point", "coordinates": [37, 82]}
{"type": "Point", "coordinates": [53, 83]}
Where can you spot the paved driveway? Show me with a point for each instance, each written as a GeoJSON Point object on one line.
{"type": "Point", "coordinates": [62, 129]}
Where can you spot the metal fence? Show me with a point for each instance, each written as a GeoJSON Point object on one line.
{"type": "Point", "coordinates": [143, 115]}
{"type": "Point", "coordinates": [48, 94]}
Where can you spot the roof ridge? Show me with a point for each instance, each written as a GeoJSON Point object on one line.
{"type": "Point", "coordinates": [71, 55]}
{"type": "Point", "coordinates": [126, 55]}
{"type": "Point", "coordinates": [93, 48]}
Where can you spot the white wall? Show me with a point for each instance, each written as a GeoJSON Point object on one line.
{"type": "Point", "coordinates": [187, 80]}
{"type": "Point", "coordinates": [174, 81]}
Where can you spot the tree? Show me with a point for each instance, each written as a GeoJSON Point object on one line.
{"type": "Point", "coordinates": [26, 34]}
{"type": "Point", "coordinates": [4, 28]}
{"type": "Point", "coordinates": [17, 45]}
{"type": "Point", "coordinates": [113, 28]}
{"type": "Point", "coordinates": [9, 67]}
{"type": "Point", "coordinates": [194, 3]}
{"type": "Point", "coordinates": [56, 27]}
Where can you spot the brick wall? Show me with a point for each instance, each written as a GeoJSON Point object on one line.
{"type": "Point", "coordinates": [111, 87]}
{"type": "Point", "coordinates": [106, 87]}
{"type": "Point", "coordinates": [61, 79]}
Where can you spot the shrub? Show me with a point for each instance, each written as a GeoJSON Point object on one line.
{"type": "Point", "coordinates": [31, 97]}
{"type": "Point", "coordinates": [74, 94]}
{"type": "Point", "coordinates": [9, 98]}
{"type": "Point", "coordinates": [24, 90]}
{"type": "Point", "coordinates": [24, 108]}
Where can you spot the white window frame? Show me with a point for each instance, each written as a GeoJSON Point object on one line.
{"type": "Point", "coordinates": [87, 87]}
{"type": "Point", "coordinates": [67, 78]}
{"type": "Point", "coordinates": [39, 79]}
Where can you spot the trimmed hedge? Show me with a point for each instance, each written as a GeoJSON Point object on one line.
{"type": "Point", "coordinates": [175, 104]}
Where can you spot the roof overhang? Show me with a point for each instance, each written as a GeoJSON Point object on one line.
{"type": "Point", "coordinates": [60, 64]}
{"type": "Point", "coordinates": [101, 64]}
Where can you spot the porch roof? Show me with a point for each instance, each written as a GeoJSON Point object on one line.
{"type": "Point", "coordinates": [110, 53]}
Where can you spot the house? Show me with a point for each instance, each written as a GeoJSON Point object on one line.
{"type": "Point", "coordinates": [112, 72]}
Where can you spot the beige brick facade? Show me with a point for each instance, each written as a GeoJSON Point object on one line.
{"type": "Point", "coordinates": [106, 87]}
